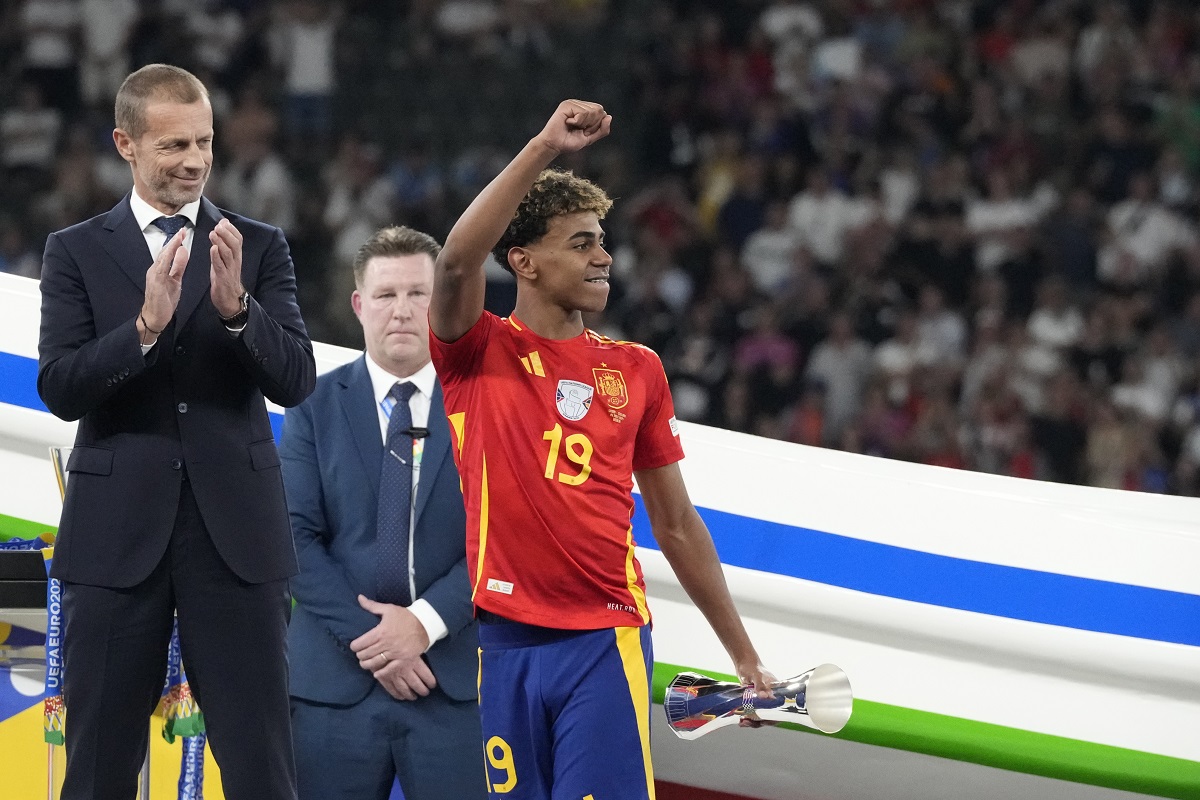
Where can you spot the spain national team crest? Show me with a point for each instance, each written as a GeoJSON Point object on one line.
{"type": "Point", "coordinates": [573, 399]}
{"type": "Point", "coordinates": [611, 385]}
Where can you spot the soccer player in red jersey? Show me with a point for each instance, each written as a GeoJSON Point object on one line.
{"type": "Point", "coordinates": [552, 422]}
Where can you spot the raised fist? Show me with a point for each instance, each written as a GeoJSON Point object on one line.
{"type": "Point", "coordinates": [574, 125]}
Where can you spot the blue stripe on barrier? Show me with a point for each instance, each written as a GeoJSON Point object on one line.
{"type": "Point", "coordinates": [18, 382]}
{"type": "Point", "coordinates": [879, 569]}
{"type": "Point", "coordinates": [921, 577]}
{"type": "Point", "coordinates": [18, 387]}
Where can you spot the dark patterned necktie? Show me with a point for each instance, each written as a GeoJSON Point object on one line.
{"type": "Point", "coordinates": [170, 225]}
{"type": "Point", "coordinates": [395, 501]}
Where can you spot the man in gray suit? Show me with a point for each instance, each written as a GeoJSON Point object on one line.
{"type": "Point", "coordinates": [383, 643]}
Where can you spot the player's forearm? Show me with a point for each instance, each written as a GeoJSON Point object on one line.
{"type": "Point", "coordinates": [689, 550]}
{"type": "Point", "coordinates": [459, 281]}
{"type": "Point", "coordinates": [485, 220]}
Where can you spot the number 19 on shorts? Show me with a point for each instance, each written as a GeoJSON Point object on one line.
{"type": "Point", "coordinates": [500, 757]}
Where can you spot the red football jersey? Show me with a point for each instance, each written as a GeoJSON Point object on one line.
{"type": "Point", "coordinates": [547, 436]}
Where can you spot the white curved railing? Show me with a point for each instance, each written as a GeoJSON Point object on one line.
{"type": "Point", "coordinates": [1043, 670]}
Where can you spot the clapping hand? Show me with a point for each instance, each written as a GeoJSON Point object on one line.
{"type": "Point", "coordinates": [225, 255]}
{"type": "Point", "coordinates": [164, 283]}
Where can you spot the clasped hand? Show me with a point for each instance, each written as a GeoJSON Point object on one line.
{"type": "Point", "coordinates": [391, 651]}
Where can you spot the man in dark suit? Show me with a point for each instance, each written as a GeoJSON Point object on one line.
{"type": "Point", "coordinates": [165, 322]}
{"type": "Point", "coordinates": [383, 643]}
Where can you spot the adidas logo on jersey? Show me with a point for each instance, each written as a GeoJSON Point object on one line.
{"type": "Point", "coordinates": [503, 587]}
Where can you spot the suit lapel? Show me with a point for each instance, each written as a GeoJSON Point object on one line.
{"type": "Point", "coordinates": [126, 243]}
{"type": "Point", "coordinates": [358, 405]}
{"type": "Point", "coordinates": [196, 279]}
{"type": "Point", "coordinates": [437, 445]}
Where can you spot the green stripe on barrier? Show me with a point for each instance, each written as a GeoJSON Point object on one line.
{"type": "Point", "coordinates": [13, 528]}
{"type": "Point", "coordinates": [999, 746]}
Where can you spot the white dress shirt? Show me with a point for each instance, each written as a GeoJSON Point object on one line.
{"type": "Point", "coordinates": [145, 214]}
{"type": "Point", "coordinates": [419, 403]}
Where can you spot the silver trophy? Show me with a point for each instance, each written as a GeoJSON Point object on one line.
{"type": "Point", "coordinates": [820, 698]}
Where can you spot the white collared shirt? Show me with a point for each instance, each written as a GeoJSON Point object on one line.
{"type": "Point", "coordinates": [145, 214]}
{"type": "Point", "coordinates": [419, 404]}
{"type": "Point", "coordinates": [382, 382]}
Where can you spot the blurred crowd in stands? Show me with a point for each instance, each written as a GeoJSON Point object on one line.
{"type": "Point", "coordinates": [952, 232]}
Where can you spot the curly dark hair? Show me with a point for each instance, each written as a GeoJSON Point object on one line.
{"type": "Point", "coordinates": [554, 193]}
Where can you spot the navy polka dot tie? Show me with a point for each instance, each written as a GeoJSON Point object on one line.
{"type": "Point", "coordinates": [395, 501]}
{"type": "Point", "coordinates": [170, 225]}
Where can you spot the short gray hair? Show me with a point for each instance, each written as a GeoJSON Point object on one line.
{"type": "Point", "coordinates": [154, 82]}
{"type": "Point", "coordinates": [395, 240]}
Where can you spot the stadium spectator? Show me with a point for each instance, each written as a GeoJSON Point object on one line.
{"type": "Point", "coordinates": [987, 150]}
{"type": "Point", "coordinates": [105, 26]}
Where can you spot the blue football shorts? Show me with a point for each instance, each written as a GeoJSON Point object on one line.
{"type": "Point", "coordinates": [566, 714]}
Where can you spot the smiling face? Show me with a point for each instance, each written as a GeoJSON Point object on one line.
{"type": "Point", "coordinates": [172, 158]}
{"type": "Point", "coordinates": [392, 303]}
{"type": "Point", "coordinates": [569, 263]}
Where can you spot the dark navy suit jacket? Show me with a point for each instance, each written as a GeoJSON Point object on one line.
{"type": "Point", "coordinates": [332, 455]}
{"type": "Point", "coordinates": [193, 405]}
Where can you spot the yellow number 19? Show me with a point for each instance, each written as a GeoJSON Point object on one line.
{"type": "Point", "coordinates": [503, 761]}
{"type": "Point", "coordinates": [578, 451]}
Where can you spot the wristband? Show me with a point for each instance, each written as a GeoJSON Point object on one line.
{"type": "Point", "coordinates": [147, 327]}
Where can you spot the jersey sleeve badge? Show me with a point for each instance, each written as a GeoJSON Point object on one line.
{"type": "Point", "coordinates": [573, 399]}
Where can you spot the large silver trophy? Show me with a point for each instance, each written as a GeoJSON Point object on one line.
{"type": "Point", "coordinates": [820, 698]}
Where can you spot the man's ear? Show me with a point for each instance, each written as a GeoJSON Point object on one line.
{"type": "Point", "coordinates": [124, 143]}
{"type": "Point", "coordinates": [356, 303]}
{"type": "Point", "coordinates": [522, 264]}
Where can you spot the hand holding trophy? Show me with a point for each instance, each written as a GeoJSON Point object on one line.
{"type": "Point", "coordinates": [820, 698]}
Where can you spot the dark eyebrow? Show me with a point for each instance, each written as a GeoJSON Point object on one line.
{"type": "Point", "coordinates": [582, 235]}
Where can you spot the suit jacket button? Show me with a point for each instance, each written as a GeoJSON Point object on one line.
{"type": "Point", "coordinates": [176, 464]}
{"type": "Point", "coordinates": [108, 381]}
{"type": "Point", "coordinates": [179, 350]}
{"type": "Point", "coordinates": [181, 408]}
{"type": "Point", "coordinates": [125, 372]}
